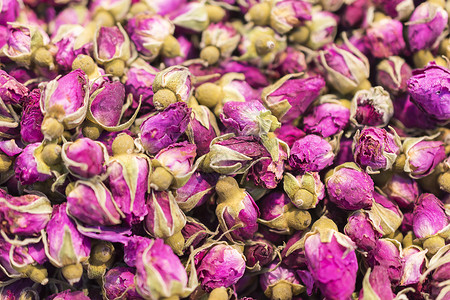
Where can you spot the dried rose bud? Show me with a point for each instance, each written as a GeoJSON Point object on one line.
{"type": "Point", "coordinates": [28, 260]}
{"type": "Point", "coordinates": [64, 102]}
{"type": "Point", "coordinates": [375, 149]}
{"type": "Point", "coordinates": [392, 74]}
{"type": "Point", "coordinates": [303, 158]}
{"type": "Point", "coordinates": [219, 265]}
{"type": "Point", "coordinates": [345, 69]}
{"type": "Point", "coordinates": [259, 253]}
{"type": "Point", "coordinates": [192, 16]}
{"type": "Point", "coordinates": [29, 166]}
{"type": "Point", "coordinates": [152, 35]}
{"type": "Point", "coordinates": [64, 39]}
{"type": "Point", "coordinates": [342, 183]}
{"type": "Point", "coordinates": [173, 166]}
{"type": "Point", "coordinates": [429, 217]}
{"type": "Point", "coordinates": [197, 190]}
{"type": "Point", "coordinates": [402, 190]}
{"type": "Point", "coordinates": [440, 268]}
{"type": "Point", "coordinates": [281, 216]}
{"type": "Point", "coordinates": [171, 85]}
{"type": "Point", "coordinates": [364, 229]}
{"type": "Point", "coordinates": [164, 128]}
{"type": "Point", "coordinates": [289, 134]}
{"type": "Point", "coordinates": [65, 246]}
{"type": "Point", "coordinates": [410, 115]}
{"type": "Point", "coordinates": [335, 277]}
{"type": "Point", "coordinates": [291, 61]}
{"type": "Point", "coordinates": [422, 156]}
{"type": "Point", "coordinates": [385, 38]}
{"type": "Point", "coordinates": [426, 26]}
{"type": "Point", "coordinates": [91, 203]}
{"type": "Point", "coordinates": [291, 96]}
{"type": "Point", "coordinates": [20, 289]}
{"type": "Point", "coordinates": [26, 215]}
{"type": "Point", "coordinates": [253, 75]}
{"type": "Point", "coordinates": [414, 262]}
{"type": "Point", "coordinates": [117, 8]}
{"type": "Point", "coordinates": [195, 233]}
{"type": "Point", "coordinates": [428, 88]}
{"type": "Point", "coordinates": [85, 158]}
{"type": "Point", "coordinates": [11, 91]}
{"type": "Point", "coordinates": [398, 9]}
{"type": "Point", "coordinates": [372, 107]}
{"type": "Point", "coordinates": [119, 282]}
{"type": "Point", "coordinates": [236, 210]}
{"type": "Point", "coordinates": [32, 117]}
{"type": "Point", "coordinates": [293, 254]}
{"type": "Point", "coordinates": [218, 42]}
{"type": "Point", "coordinates": [387, 255]}
{"type": "Point", "coordinates": [9, 11]}
{"type": "Point", "coordinates": [286, 14]}
{"type": "Point", "coordinates": [388, 213]}
{"type": "Point", "coordinates": [202, 128]}
{"type": "Point", "coordinates": [165, 219]}
{"type": "Point", "coordinates": [322, 29]}
{"type": "Point", "coordinates": [305, 191]}
{"type": "Point", "coordinates": [68, 295]}
{"type": "Point", "coordinates": [280, 282]}
{"type": "Point", "coordinates": [328, 118]}
{"type": "Point", "coordinates": [376, 285]}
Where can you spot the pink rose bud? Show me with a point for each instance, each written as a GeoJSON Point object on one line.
{"type": "Point", "coordinates": [322, 29]}
{"type": "Point", "coordinates": [9, 11]}
{"type": "Point", "coordinates": [68, 295]}
{"type": "Point", "coordinates": [363, 229]}
{"type": "Point", "coordinates": [305, 191]}
{"type": "Point", "coordinates": [197, 190]}
{"type": "Point", "coordinates": [328, 118]}
{"type": "Point", "coordinates": [385, 38]}
{"type": "Point", "coordinates": [343, 181]}
{"type": "Point", "coordinates": [293, 254]}
{"type": "Point", "coordinates": [29, 166]}
{"type": "Point", "coordinates": [289, 134]}
{"type": "Point", "coordinates": [376, 284]}
{"type": "Point", "coordinates": [441, 271]}
{"type": "Point", "coordinates": [164, 128]}
{"type": "Point", "coordinates": [291, 61]}
{"type": "Point", "coordinates": [410, 115]}
{"type": "Point", "coordinates": [398, 9]}
{"type": "Point", "coordinates": [422, 156]}
{"type": "Point", "coordinates": [202, 128]}
{"type": "Point", "coordinates": [28, 260]}
{"type": "Point", "coordinates": [65, 246]}
{"type": "Point", "coordinates": [426, 26]}
{"type": "Point", "coordinates": [218, 266]}
{"type": "Point", "coordinates": [280, 281]}
{"type": "Point", "coordinates": [387, 255]}
{"type": "Point", "coordinates": [392, 74]}
{"type": "Point", "coordinates": [402, 190]}
{"type": "Point", "coordinates": [191, 16]}
{"type": "Point", "coordinates": [372, 107]}
{"type": "Point", "coordinates": [387, 212]}
{"type": "Point", "coordinates": [218, 42]}
{"type": "Point", "coordinates": [91, 203]}
{"type": "Point", "coordinates": [11, 90]}
{"type": "Point", "coordinates": [429, 216]}
{"type": "Point", "coordinates": [428, 88]}
{"type": "Point", "coordinates": [32, 117]}
{"type": "Point", "coordinates": [375, 149]}
{"type": "Point", "coordinates": [171, 85]}
{"type": "Point", "coordinates": [195, 233]}
{"type": "Point", "coordinates": [356, 13]}
{"type": "Point", "coordinates": [119, 282]}
{"type": "Point", "coordinates": [259, 253]}
{"type": "Point", "coordinates": [414, 260]}
{"type": "Point", "coordinates": [64, 39]}
{"type": "Point", "coordinates": [287, 14]}
{"type": "Point", "coordinates": [290, 97]}
{"type": "Point", "coordinates": [85, 158]}
{"type": "Point", "coordinates": [254, 76]}
{"type": "Point", "coordinates": [304, 160]}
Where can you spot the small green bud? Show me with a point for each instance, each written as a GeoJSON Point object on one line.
{"type": "Point", "coordinates": [161, 179]}
{"type": "Point", "coordinates": [122, 144]}
{"type": "Point", "coordinates": [215, 13]}
{"type": "Point", "coordinates": [264, 44]}
{"type": "Point", "coordinates": [209, 94]}
{"type": "Point", "coordinates": [52, 128]}
{"type": "Point", "coordinates": [163, 98]}
{"type": "Point", "coordinates": [85, 63]}
{"type": "Point", "coordinates": [170, 47]}
{"type": "Point", "coordinates": [51, 154]}
{"type": "Point", "coordinates": [210, 54]}
{"type": "Point", "coordinates": [115, 67]}
{"type": "Point", "coordinates": [433, 244]}
{"type": "Point", "coordinates": [5, 162]}
{"type": "Point", "coordinates": [260, 14]}
{"type": "Point", "coordinates": [72, 273]}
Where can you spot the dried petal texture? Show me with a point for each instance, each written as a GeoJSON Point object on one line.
{"type": "Point", "coordinates": [68, 295]}
{"type": "Point", "coordinates": [197, 190]}
{"type": "Point", "coordinates": [202, 128]}
{"type": "Point", "coordinates": [135, 245]}
{"type": "Point", "coordinates": [291, 61]}
{"type": "Point", "coordinates": [423, 156]}
{"type": "Point", "coordinates": [106, 103]}
{"type": "Point", "coordinates": [11, 91]}
{"type": "Point", "coordinates": [398, 9]}
{"type": "Point", "coordinates": [279, 273]}
{"type": "Point", "coordinates": [372, 107]}
{"type": "Point", "coordinates": [85, 157]}
{"type": "Point", "coordinates": [387, 212]}
{"type": "Point", "coordinates": [430, 91]}
{"type": "Point", "coordinates": [385, 38]}
{"type": "Point", "coordinates": [259, 253]}
{"type": "Point", "coordinates": [393, 74]}
{"type": "Point", "coordinates": [191, 16]}
{"type": "Point", "coordinates": [164, 128]}
{"type": "Point", "coordinates": [376, 285]}
{"type": "Point", "coordinates": [177, 79]}
{"type": "Point", "coordinates": [268, 172]}
{"type": "Point", "coordinates": [402, 190]}
{"type": "Point", "coordinates": [414, 260]}
{"type": "Point", "coordinates": [9, 11]}
{"type": "Point", "coordinates": [410, 115]}
{"type": "Point", "coordinates": [387, 255]}
{"type": "Point", "coordinates": [111, 43]}
{"type": "Point", "coordinates": [64, 39]}
{"type": "Point", "coordinates": [327, 119]}
{"type": "Point", "coordinates": [311, 154]}
{"type": "Point", "coordinates": [272, 205]}
{"type": "Point", "coordinates": [20, 289]}
{"type": "Point", "coordinates": [27, 168]}
{"type": "Point", "coordinates": [30, 123]}
{"type": "Point", "coordinates": [429, 216]}
{"type": "Point", "coordinates": [119, 283]}
{"type": "Point", "coordinates": [323, 29]}
{"type": "Point", "coordinates": [178, 158]}
{"type": "Point", "coordinates": [219, 266]}
{"type": "Point", "coordinates": [289, 134]}
{"type": "Point", "coordinates": [138, 79]}
{"type": "Point", "coordinates": [363, 230]}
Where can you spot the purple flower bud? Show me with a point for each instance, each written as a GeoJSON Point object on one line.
{"type": "Point", "coordinates": [253, 75]}
{"type": "Point", "coordinates": [194, 233]}
{"type": "Point", "coordinates": [289, 134]}
{"type": "Point", "coordinates": [20, 289]}
{"type": "Point", "coordinates": [76, 14]}
{"type": "Point", "coordinates": [332, 262]}
{"type": "Point", "coordinates": [355, 13]}
{"type": "Point", "coordinates": [343, 183]}
{"type": "Point", "coordinates": [376, 285]}
{"type": "Point", "coordinates": [197, 190]}
{"type": "Point", "coordinates": [375, 149]}
{"type": "Point", "coordinates": [106, 104]}
{"type": "Point", "coordinates": [306, 190]}
{"type": "Point", "coordinates": [30, 124]}
{"type": "Point", "coordinates": [429, 216]}
{"type": "Point", "coordinates": [392, 74]}
{"type": "Point", "coordinates": [293, 254]}
{"type": "Point", "coordinates": [345, 153]}
{"type": "Point", "coordinates": [65, 246]}
{"type": "Point", "coordinates": [259, 253]}
{"type": "Point", "coordinates": [429, 89]}
{"type": "Point", "coordinates": [286, 14]}
{"type": "Point", "coordinates": [372, 107]}
{"type": "Point", "coordinates": [85, 158]}
{"type": "Point", "coordinates": [414, 264]}
{"type": "Point", "coordinates": [311, 154]}
{"type": "Point", "coordinates": [29, 167]}
{"type": "Point", "coordinates": [9, 11]}
{"type": "Point", "coordinates": [26, 215]}
{"type": "Point", "coordinates": [28, 261]}
{"type": "Point", "coordinates": [92, 203]}
{"type": "Point", "coordinates": [291, 61]}
{"type": "Point", "coordinates": [119, 282]}
{"type": "Point", "coordinates": [328, 118]}
{"type": "Point", "coordinates": [385, 38]}
{"type": "Point", "coordinates": [202, 128]}
{"type": "Point", "coordinates": [64, 39]}
{"type": "Point", "coordinates": [164, 128]}
{"type": "Point", "coordinates": [280, 280]}
{"type": "Point", "coordinates": [398, 9]}
{"type": "Point", "coordinates": [221, 36]}
{"type": "Point", "coordinates": [290, 97]}
{"type": "Point", "coordinates": [402, 190]}
{"type": "Point", "coordinates": [363, 229]}
{"type": "Point", "coordinates": [11, 91]}
{"type": "Point", "coordinates": [387, 255]}
{"type": "Point", "coordinates": [111, 43]}
{"type": "Point", "coordinates": [410, 115]}
{"type": "Point", "coordinates": [388, 213]}
{"type": "Point", "coordinates": [323, 29]}
{"type": "Point", "coordinates": [422, 156]}
{"type": "Point", "coordinates": [426, 26]}
{"type": "Point", "coordinates": [68, 295]}
{"type": "Point", "coordinates": [191, 16]}
{"type": "Point", "coordinates": [219, 265]}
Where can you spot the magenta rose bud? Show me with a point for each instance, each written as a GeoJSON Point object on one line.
{"type": "Point", "coordinates": [375, 149]}
{"type": "Point", "coordinates": [387, 255]}
{"type": "Point", "coordinates": [259, 253]}
{"type": "Point", "coordinates": [9, 11]}
{"type": "Point", "coordinates": [68, 295]}
{"type": "Point", "coordinates": [372, 107]}
{"type": "Point", "coordinates": [422, 156]}
{"type": "Point", "coordinates": [393, 74]}
{"type": "Point", "coordinates": [11, 91]}
{"type": "Point", "coordinates": [119, 282]}
{"type": "Point", "coordinates": [111, 43]}
{"type": "Point", "coordinates": [106, 104]}
{"type": "Point", "coordinates": [91, 203]}
{"type": "Point", "coordinates": [389, 215]}
{"type": "Point", "coordinates": [429, 88]}
{"type": "Point", "coordinates": [159, 272]}
{"type": "Point", "coordinates": [218, 266]}
{"type": "Point", "coordinates": [64, 39]}
{"type": "Point", "coordinates": [85, 158]}
{"type": "Point", "coordinates": [290, 97]}
{"type": "Point", "coordinates": [429, 217]}
{"type": "Point", "coordinates": [410, 115]}
{"type": "Point", "coordinates": [202, 128]}
{"type": "Point", "coordinates": [398, 9]}
{"type": "Point", "coordinates": [280, 281]}
{"type": "Point", "coordinates": [426, 26]}
{"type": "Point", "coordinates": [441, 275]}
{"type": "Point", "coordinates": [291, 61]}
{"type": "Point", "coordinates": [164, 128]}
{"type": "Point", "coordinates": [65, 246]}
{"type": "Point", "coordinates": [289, 134]}
{"type": "Point", "coordinates": [385, 38]}
{"type": "Point", "coordinates": [402, 190]}
{"type": "Point", "coordinates": [32, 117]}
{"type": "Point", "coordinates": [195, 233]}
{"type": "Point", "coordinates": [311, 154]}
{"type": "Point", "coordinates": [363, 229]}
{"type": "Point", "coordinates": [197, 190]}
{"type": "Point", "coordinates": [322, 29]}
{"type": "Point", "coordinates": [342, 183]}
{"type": "Point", "coordinates": [28, 165]}
{"type": "Point", "coordinates": [327, 118]}
{"type": "Point", "coordinates": [331, 260]}
{"type": "Point", "coordinates": [414, 261]}
{"type": "Point", "coordinates": [376, 284]}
